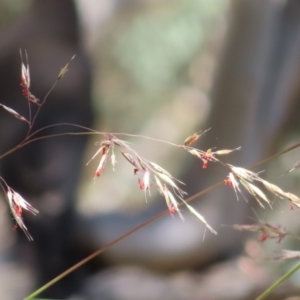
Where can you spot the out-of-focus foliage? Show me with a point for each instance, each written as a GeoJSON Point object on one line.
{"type": "Point", "coordinates": [153, 65]}
{"type": "Point", "coordinates": [155, 62]}
{"type": "Point", "coordinates": [156, 45]}
{"type": "Point", "coordinates": [146, 54]}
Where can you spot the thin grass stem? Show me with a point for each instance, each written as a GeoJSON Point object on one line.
{"type": "Point", "coordinates": [270, 289]}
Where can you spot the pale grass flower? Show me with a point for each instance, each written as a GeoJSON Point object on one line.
{"type": "Point", "coordinates": [247, 178]}
{"type": "Point", "coordinates": [245, 174]}
{"type": "Point", "coordinates": [130, 159]}
{"type": "Point", "coordinates": [105, 146]}
{"type": "Point", "coordinates": [281, 194]}
{"type": "Point", "coordinates": [231, 181]}
{"type": "Point", "coordinates": [14, 113]}
{"type": "Point", "coordinates": [209, 155]}
{"type": "Point", "coordinates": [101, 150]}
{"type": "Point", "coordinates": [199, 216]}
{"type": "Point", "coordinates": [113, 160]}
{"type": "Point", "coordinates": [17, 204]}
{"type": "Point", "coordinates": [25, 82]}
{"type": "Point", "coordinates": [172, 204]}
{"type": "Point", "coordinates": [169, 181]}
{"type": "Point", "coordinates": [288, 255]}
{"type": "Point", "coordinates": [294, 167]}
{"type": "Point", "coordinates": [101, 165]}
{"type": "Point", "coordinates": [266, 230]}
{"type": "Point", "coordinates": [193, 138]}
{"type": "Point", "coordinates": [144, 182]}
{"type": "Point", "coordinates": [148, 172]}
{"type": "Point", "coordinates": [25, 77]}
{"type": "Point", "coordinates": [255, 192]}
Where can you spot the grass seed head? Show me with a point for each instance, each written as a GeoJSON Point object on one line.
{"type": "Point", "coordinates": [17, 203]}
{"type": "Point", "coordinates": [266, 230]}
{"type": "Point", "coordinates": [14, 113]}
{"type": "Point", "coordinates": [288, 255]}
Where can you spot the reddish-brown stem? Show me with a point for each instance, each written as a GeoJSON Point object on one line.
{"type": "Point", "coordinates": [102, 249]}
{"type": "Point", "coordinates": [40, 106]}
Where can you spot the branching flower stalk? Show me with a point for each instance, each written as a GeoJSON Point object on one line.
{"type": "Point", "coordinates": [149, 174]}
{"type": "Point", "coordinates": [16, 202]}
{"type": "Point", "coordinates": [153, 219]}
{"type": "Point", "coordinates": [267, 231]}
{"type": "Point", "coordinates": [240, 176]}
{"type": "Point", "coordinates": [190, 199]}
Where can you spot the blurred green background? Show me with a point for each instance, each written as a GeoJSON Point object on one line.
{"type": "Point", "coordinates": [153, 63]}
